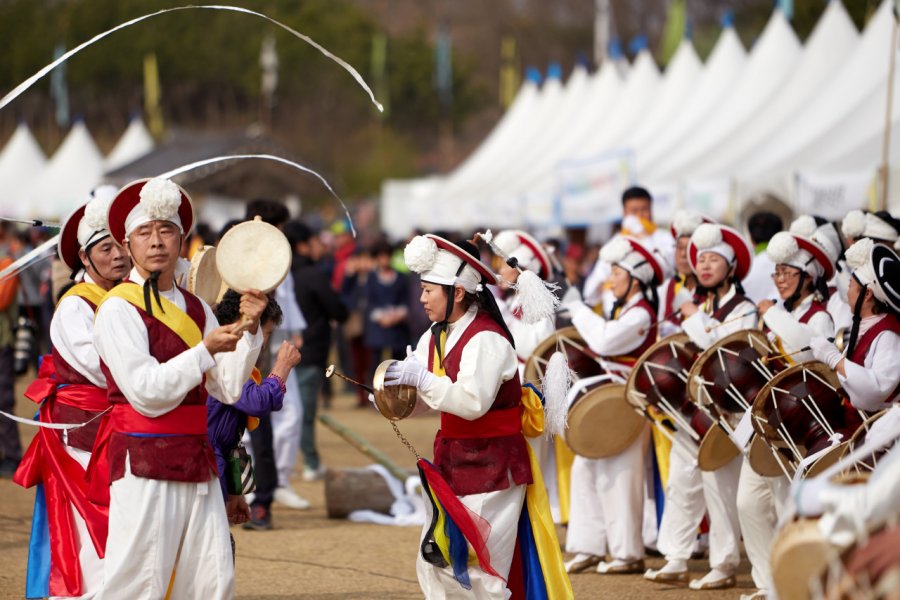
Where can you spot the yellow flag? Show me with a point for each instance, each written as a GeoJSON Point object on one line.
{"type": "Point", "coordinates": [152, 96]}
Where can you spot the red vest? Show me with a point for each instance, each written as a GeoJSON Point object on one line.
{"type": "Point", "coordinates": [888, 323]}
{"type": "Point", "coordinates": [649, 339]}
{"type": "Point", "coordinates": [477, 465]}
{"type": "Point", "coordinates": [179, 457]}
{"type": "Point", "coordinates": [815, 307]}
{"type": "Point", "coordinates": [64, 410]}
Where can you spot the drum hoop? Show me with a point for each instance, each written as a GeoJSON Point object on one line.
{"type": "Point", "coordinates": [696, 382]}
{"type": "Point", "coordinates": [536, 363]}
{"type": "Point", "coordinates": [280, 260]}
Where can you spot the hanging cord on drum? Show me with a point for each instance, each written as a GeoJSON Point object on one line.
{"type": "Point", "coordinates": [731, 320]}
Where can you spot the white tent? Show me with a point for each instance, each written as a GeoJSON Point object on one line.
{"type": "Point", "coordinates": [134, 143]}
{"type": "Point", "coordinates": [20, 163]}
{"type": "Point", "coordinates": [74, 170]}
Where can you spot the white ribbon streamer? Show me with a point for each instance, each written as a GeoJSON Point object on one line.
{"type": "Point", "coordinates": [27, 260]}
{"type": "Point", "coordinates": [19, 89]}
{"type": "Point", "coordinates": [290, 163]}
{"type": "Point", "coordinates": [66, 426]}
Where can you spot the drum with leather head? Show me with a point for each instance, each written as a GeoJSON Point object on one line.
{"type": "Point", "coordinates": [203, 279]}
{"type": "Point", "coordinates": [601, 421]}
{"type": "Point", "coordinates": [582, 360]}
{"type": "Point", "coordinates": [800, 411]}
{"type": "Point", "coordinates": [728, 375]}
{"type": "Point", "coordinates": [253, 255]}
{"type": "Point", "coordinates": [799, 554]}
{"type": "Point", "coordinates": [865, 464]}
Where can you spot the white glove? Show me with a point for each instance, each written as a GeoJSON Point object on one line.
{"type": "Point", "coordinates": [409, 372]}
{"type": "Point", "coordinates": [571, 299]}
{"type": "Point", "coordinates": [633, 225]}
{"type": "Point", "coordinates": [825, 351]}
{"type": "Point", "coordinates": [808, 496]}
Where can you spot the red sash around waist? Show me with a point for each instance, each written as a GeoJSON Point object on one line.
{"type": "Point", "coordinates": [494, 423]}
{"type": "Point", "coordinates": [183, 420]}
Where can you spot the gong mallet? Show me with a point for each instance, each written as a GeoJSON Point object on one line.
{"type": "Point", "coordinates": [331, 370]}
{"type": "Point", "coordinates": [787, 354]}
{"type": "Point", "coordinates": [668, 317]}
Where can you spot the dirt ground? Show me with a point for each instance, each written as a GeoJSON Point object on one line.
{"type": "Point", "coordinates": [308, 556]}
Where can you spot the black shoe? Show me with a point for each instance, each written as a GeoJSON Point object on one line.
{"type": "Point", "coordinates": [260, 518]}
{"type": "Point", "coordinates": [8, 467]}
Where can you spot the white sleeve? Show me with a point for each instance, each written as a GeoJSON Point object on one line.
{"type": "Point", "coordinates": [849, 510]}
{"type": "Point", "coordinates": [487, 361]}
{"type": "Point", "coordinates": [794, 334]}
{"type": "Point", "coordinates": [225, 381]}
{"type": "Point", "coordinates": [287, 300]}
{"type": "Point", "coordinates": [870, 386]}
{"type": "Point", "coordinates": [696, 325]}
{"type": "Point", "coordinates": [528, 336]}
{"type": "Point", "coordinates": [72, 334]}
{"type": "Point", "coordinates": [611, 338]}
{"type": "Point", "coordinates": [152, 388]}
{"type": "Point", "coordinates": [591, 292]}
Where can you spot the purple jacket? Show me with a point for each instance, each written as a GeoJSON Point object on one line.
{"type": "Point", "coordinates": [225, 423]}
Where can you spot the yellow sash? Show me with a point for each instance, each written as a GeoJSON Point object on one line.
{"type": "Point", "coordinates": [91, 292]}
{"type": "Point", "coordinates": [436, 367]}
{"type": "Point", "coordinates": [166, 313]}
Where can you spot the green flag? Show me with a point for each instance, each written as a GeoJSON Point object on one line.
{"type": "Point", "coordinates": [674, 30]}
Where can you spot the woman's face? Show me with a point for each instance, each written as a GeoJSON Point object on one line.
{"type": "Point", "coordinates": [434, 301]}
{"type": "Point", "coordinates": [786, 279]}
{"type": "Point", "coordinates": [712, 269]}
{"type": "Point", "coordinates": [620, 282]}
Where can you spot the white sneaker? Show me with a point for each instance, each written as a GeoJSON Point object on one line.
{"type": "Point", "coordinates": [313, 474]}
{"type": "Point", "coordinates": [289, 498]}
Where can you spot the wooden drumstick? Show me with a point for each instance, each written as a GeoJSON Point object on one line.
{"type": "Point", "coordinates": [766, 359]}
{"type": "Point", "coordinates": [332, 371]}
{"type": "Point", "coordinates": [731, 320]}
{"type": "Point", "coordinates": [660, 322]}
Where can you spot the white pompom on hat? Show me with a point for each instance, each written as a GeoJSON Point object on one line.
{"type": "Point", "coordinates": [149, 200]}
{"type": "Point", "coordinates": [724, 241]}
{"type": "Point", "coordinates": [685, 223]}
{"type": "Point", "coordinates": [631, 255]}
{"type": "Point", "coordinates": [804, 225]}
{"type": "Point", "coordinates": [801, 253]}
{"type": "Point", "coordinates": [854, 224]}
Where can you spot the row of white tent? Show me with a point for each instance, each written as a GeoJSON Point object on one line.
{"type": "Point", "coordinates": [801, 122]}
{"type": "Point", "coordinates": [33, 186]}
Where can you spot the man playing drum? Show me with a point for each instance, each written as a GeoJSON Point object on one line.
{"type": "Point", "coordinates": [161, 350]}
{"type": "Point", "coordinates": [465, 367]}
{"type": "Point", "coordinates": [608, 493]}
{"type": "Point", "coordinates": [74, 387]}
{"type": "Point", "coordinates": [684, 505]}
{"type": "Point", "coordinates": [721, 258]}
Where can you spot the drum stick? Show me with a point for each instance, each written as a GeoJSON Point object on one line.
{"type": "Point", "coordinates": [660, 322]}
{"type": "Point", "coordinates": [332, 371]}
{"type": "Point", "coordinates": [731, 320]}
{"type": "Point", "coordinates": [766, 359]}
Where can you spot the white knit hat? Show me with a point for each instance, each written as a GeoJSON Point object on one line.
{"type": "Point", "coordinates": [528, 252]}
{"type": "Point", "coordinates": [877, 267]}
{"type": "Point", "coordinates": [148, 200]}
{"type": "Point", "coordinates": [629, 254]}
{"type": "Point", "coordinates": [801, 253]}
{"type": "Point", "coordinates": [724, 241]}
{"type": "Point", "coordinates": [442, 262]}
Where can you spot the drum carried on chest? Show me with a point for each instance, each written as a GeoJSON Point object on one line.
{"type": "Point", "coordinates": [582, 361]}
{"type": "Point", "coordinates": [601, 421]}
{"type": "Point", "coordinates": [659, 380]}
{"type": "Point", "coordinates": [799, 412]}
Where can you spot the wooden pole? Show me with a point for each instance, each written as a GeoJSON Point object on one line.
{"type": "Point", "coordinates": [363, 445]}
{"type": "Point", "coordinates": [888, 114]}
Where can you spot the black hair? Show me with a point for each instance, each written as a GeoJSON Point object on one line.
{"type": "Point", "coordinates": [227, 226]}
{"type": "Point", "coordinates": [380, 247]}
{"type": "Point", "coordinates": [636, 193]}
{"type": "Point", "coordinates": [298, 232]}
{"type": "Point", "coordinates": [228, 310]}
{"type": "Point", "coordinates": [271, 211]}
{"type": "Point", "coordinates": [763, 225]}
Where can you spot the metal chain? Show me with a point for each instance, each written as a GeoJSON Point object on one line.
{"type": "Point", "coordinates": [405, 441]}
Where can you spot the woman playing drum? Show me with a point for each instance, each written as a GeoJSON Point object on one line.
{"type": "Point", "coordinates": [608, 493]}
{"type": "Point", "coordinates": [685, 505]}
{"type": "Point", "coordinates": [721, 258]}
